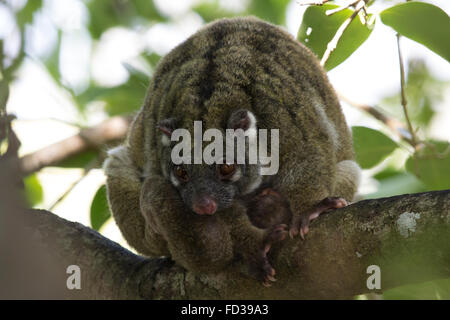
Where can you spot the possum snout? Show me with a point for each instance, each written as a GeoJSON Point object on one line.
{"type": "Point", "coordinates": [204, 205]}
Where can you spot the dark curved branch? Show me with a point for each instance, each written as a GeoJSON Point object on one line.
{"type": "Point", "coordinates": [407, 236]}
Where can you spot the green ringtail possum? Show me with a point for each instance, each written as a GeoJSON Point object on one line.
{"type": "Point", "coordinates": [239, 73]}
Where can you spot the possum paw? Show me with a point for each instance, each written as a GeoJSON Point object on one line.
{"type": "Point", "coordinates": [301, 223]}
{"type": "Point", "coordinates": [274, 234]}
{"type": "Point", "coordinates": [262, 268]}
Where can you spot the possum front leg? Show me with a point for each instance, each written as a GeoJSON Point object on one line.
{"type": "Point", "coordinates": [319, 191]}
{"type": "Point", "coordinates": [198, 243]}
{"type": "Point", "coordinates": [300, 223]}
{"type": "Point", "coordinates": [306, 183]}
{"type": "Point", "coordinates": [252, 243]}
{"type": "Point", "coordinates": [347, 177]}
{"type": "Point", "coordinates": [123, 189]}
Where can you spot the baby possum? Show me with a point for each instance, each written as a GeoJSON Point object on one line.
{"type": "Point", "coordinates": [239, 73]}
{"type": "Point", "coordinates": [269, 208]}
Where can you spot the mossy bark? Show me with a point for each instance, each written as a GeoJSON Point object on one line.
{"type": "Point", "coordinates": [407, 236]}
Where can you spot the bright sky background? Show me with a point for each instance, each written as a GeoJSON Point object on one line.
{"type": "Point", "coordinates": [45, 112]}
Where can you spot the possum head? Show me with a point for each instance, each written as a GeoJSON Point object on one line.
{"type": "Point", "coordinates": [208, 188]}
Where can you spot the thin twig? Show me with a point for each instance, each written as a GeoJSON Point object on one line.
{"type": "Point", "coordinates": [69, 190]}
{"type": "Point", "coordinates": [91, 165]}
{"type": "Point", "coordinates": [333, 43]}
{"type": "Point", "coordinates": [312, 3]}
{"type": "Point", "coordinates": [404, 102]}
{"type": "Point", "coordinates": [396, 126]}
{"type": "Point", "coordinates": [348, 5]}
{"type": "Point", "coordinates": [366, 15]}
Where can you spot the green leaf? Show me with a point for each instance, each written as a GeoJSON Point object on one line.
{"type": "Point", "coordinates": [146, 9]}
{"type": "Point", "coordinates": [386, 173]}
{"type": "Point", "coordinates": [105, 14]}
{"type": "Point", "coordinates": [273, 11]}
{"type": "Point", "coordinates": [33, 190]}
{"type": "Point", "coordinates": [421, 22]}
{"type": "Point", "coordinates": [99, 209]}
{"type": "Point", "coordinates": [432, 165]}
{"type": "Point", "coordinates": [26, 14]}
{"type": "Point", "coordinates": [371, 146]}
{"type": "Point", "coordinates": [318, 29]}
{"type": "Point", "coordinates": [81, 160]}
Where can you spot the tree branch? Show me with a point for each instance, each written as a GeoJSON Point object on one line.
{"type": "Point", "coordinates": [96, 137]}
{"type": "Point", "coordinates": [407, 236]}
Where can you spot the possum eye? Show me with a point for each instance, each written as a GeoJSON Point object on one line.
{"type": "Point", "coordinates": [226, 170]}
{"type": "Point", "coordinates": [181, 173]}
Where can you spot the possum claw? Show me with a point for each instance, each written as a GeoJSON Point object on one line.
{"type": "Point", "coordinates": [262, 267]}
{"type": "Point", "coordinates": [271, 278]}
{"type": "Point", "coordinates": [268, 279]}
{"type": "Point", "coordinates": [275, 234]}
{"type": "Point", "coordinates": [300, 224]}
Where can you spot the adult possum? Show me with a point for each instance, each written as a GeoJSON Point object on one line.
{"type": "Point", "coordinates": [239, 73]}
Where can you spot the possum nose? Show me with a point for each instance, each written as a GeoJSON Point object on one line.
{"type": "Point", "coordinates": [205, 205]}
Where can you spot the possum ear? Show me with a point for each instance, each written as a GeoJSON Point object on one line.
{"type": "Point", "coordinates": [242, 119]}
{"type": "Point", "coordinates": [167, 126]}
{"type": "Point", "coordinates": [245, 120]}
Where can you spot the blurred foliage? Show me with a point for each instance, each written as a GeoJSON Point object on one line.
{"type": "Point", "coordinates": [431, 162]}
{"type": "Point", "coordinates": [273, 11]}
{"type": "Point", "coordinates": [81, 160]}
{"type": "Point", "coordinates": [105, 14]}
{"type": "Point", "coordinates": [210, 11]}
{"type": "Point", "coordinates": [125, 98]}
{"type": "Point", "coordinates": [25, 15]}
{"type": "Point", "coordinates": [52, 61]}
{"type": "Point", "coordinates": [396, 166]}
{"type": "Point", "coordinates": [423, 92]}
